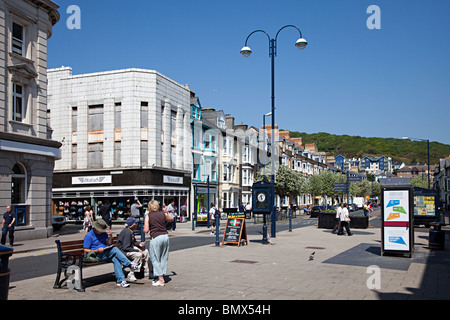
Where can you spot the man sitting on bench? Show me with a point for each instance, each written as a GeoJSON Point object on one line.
{"type": "Point", "coordinates": [99, 240]}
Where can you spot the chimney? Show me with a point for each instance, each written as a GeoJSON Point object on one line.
{"type": "Point", "coordinates": [229, 121]}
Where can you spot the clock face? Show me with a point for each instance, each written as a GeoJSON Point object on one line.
{"type": "Point", "coordinates": [261, 197]}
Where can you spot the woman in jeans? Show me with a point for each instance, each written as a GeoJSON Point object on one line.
{"type": "Point", "coordinates": [155, 223]}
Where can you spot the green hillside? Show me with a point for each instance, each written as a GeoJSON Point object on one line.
{"type": "Point", "coordinates": [406, 151]}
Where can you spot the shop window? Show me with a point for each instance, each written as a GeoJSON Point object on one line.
{"type": "Point", "coordinates": [18, 184]}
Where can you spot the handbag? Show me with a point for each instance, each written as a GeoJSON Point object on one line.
{"type": "Point", "coordinates": [91, 256]}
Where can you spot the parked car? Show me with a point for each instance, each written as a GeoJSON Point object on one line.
{"type": "Point", "coordinates": [351, 207]}
{"type": "Point", "coordinates": [316, 210]}
{"type": "Point", "coordinates": [58, 222]}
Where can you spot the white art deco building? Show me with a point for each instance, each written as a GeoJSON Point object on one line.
{"type": "Point", "coordinates": [125, 134]}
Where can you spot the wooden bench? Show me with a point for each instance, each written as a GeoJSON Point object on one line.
{"type": "Point", "coordinates": [70, 256]}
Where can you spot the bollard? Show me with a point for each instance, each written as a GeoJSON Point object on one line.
{"type": "Point", "coordinates": [5, 253]}
{"type": "Point", "coordinates": [217, 218]}
{"type": "Point", "coordinates": [436, 237]}
{"type": "Point", "coordinates": [290, 219]}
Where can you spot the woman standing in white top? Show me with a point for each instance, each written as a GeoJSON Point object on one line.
{"type": "Point", "coordinates": [345, 219]}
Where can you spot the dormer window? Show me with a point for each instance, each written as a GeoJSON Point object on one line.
{"type": "Point", "coordinates": [221, 122]}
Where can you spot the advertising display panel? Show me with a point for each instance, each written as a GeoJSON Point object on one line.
{"type": "Point", "coordinates": [397, 213]}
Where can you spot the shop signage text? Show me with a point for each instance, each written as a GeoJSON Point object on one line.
{"type": "Point", "coordinates": [172, 179]}
{"type": "Point", "coordinates": [91, 180]}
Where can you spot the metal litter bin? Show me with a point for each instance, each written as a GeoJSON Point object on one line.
{"type": "Point", "coordinates": [5, 253]}
{"type": "Point", "coordinates": [437, 236]}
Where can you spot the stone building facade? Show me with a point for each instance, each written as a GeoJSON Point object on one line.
{"type": "Point", "coordinates": [27, 152]}
{"type": "Point", "coordinates": [126, 134]}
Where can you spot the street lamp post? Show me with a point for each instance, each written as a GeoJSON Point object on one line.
{"type": "Point", "coordinates": [428, 155]}
{"type": "Point", "coordinates": [246, 51]}
{"type": "Point", "coordinates": [264, 142]}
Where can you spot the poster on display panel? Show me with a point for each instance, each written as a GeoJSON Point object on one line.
{"type": "Point", "coordinates": [397, 213]}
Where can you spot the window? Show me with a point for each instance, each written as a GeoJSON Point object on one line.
{"type": "Point", "coordinates": [207, 141]}
{"type": "Point", "coordinates": [221, 122]}
{"type": "Point", "coordinates": [227, 146]}
{"type": "Point", "coordinates": [18, 102]}
{"type": "Point", "coordinates": [18, 184]}
{"type": "Point", "coordinates": [96, 117]}
{"type": "Point", "coordinates": [226, 200]}
{"type": "Point", "coordinates": [247, 155]}
{"type": "Point", "coordinates": [74, 156]}
{"type": "Point", "coordinates": [117, 153]}
{"type": "Point", "coordinates": [196, 169]}
{"type": "Point", "coordinates": [196, 137]}
{"type": "Point", "coordinates": [227, 173]}
{"type": "Point", "coordinates": [17, 39]}
{"type": "Point", "coordinates": [213, 143]}
{"type": "Point", "coordinates": [144, 114]}
{"type": "Point", "coordinates": [95, 155]}
{"type": "Point", "coordinates": [74, 119]}
{"type": "Point", "coordinates": [210, 170]}
{"type": "Point", "coordinates": [214, 171]}
{"type": "Point", "coordinates": [247, 179]}
{"type": "Point", "coordinates": [117, 115]}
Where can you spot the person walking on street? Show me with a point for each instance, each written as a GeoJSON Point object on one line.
{"type": "Point", "coordinates": [212, 218]}
{"type": "Point", "coordinates": [155, 224]}
{"type": "Point", "coordinates": [105, 212]}
{"type": "Point", "coordinates": [171, 210]}
{"type": "Point", "coordinates": [338, 218]}
{"type": "Point", "coordinates": [88, 219]}
{"type": "Point", "coordinates": [135, 209]}
{"type": "Point", "coordinates": [8, 226]}
{"type": "Point", "coordinates": [345, 219]}
{"type": "Point", "coordinates": [366, 209]}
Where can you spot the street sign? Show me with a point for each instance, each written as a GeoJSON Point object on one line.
{"type": "Point", "coordinates": [235, 231]}
{"type": "Point", "coordinates": [341, 187]}
{"type": "Point", "coordinates": [354, 179]}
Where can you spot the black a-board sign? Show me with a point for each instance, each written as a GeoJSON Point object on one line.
{"type": "Point", "coordinates": [235, 229]}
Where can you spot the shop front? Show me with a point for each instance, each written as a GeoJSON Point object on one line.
{"type": "Point", "coordinates": [73, 192]}
{"type": "Point", "coordinates": [201, 194]}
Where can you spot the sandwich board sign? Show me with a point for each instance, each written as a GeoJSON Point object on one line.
{"type": "Point", "coordinates": [397, 218]}
{"type": "Point", "coordinates": [235, 230]}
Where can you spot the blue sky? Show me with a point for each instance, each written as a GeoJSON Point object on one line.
{"type": "Point", "coordinates": [391, 82]}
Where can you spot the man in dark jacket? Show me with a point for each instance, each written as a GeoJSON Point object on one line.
{"type": "Point", "coordinates": [8, 226]}
{"type": "Point", "coordinates": [135, 251]}
{"type": "Point", "coordinates": [105, 212]}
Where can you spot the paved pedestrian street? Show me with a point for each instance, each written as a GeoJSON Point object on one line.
{"type": "Point", "coordinates": [341, 268]}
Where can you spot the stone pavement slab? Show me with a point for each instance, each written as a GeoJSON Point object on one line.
{"type": "Point", "coordinates": [281, 270]}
